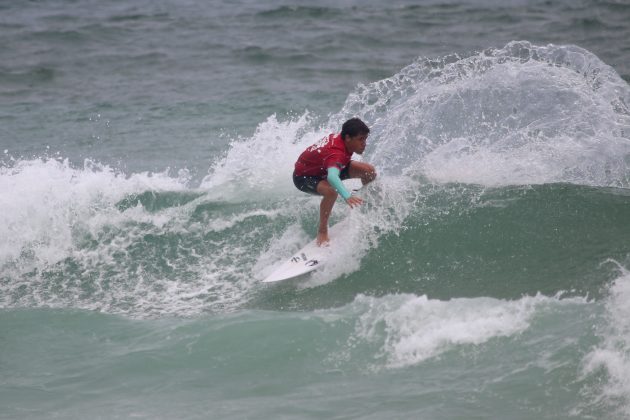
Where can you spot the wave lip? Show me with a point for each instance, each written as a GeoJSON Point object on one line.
{"type": "Point", "coordinates": [521, 114]}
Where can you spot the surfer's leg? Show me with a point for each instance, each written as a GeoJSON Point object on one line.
{"type": "Point", "coordinates": [325, 208]}
{"type": "Point", "coordinates": [362, 170]}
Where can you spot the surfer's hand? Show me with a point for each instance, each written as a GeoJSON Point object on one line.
{"type": "Point", "coordinates": [354, 201]}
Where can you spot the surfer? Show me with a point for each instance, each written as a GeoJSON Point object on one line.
{"type": "Point", "coordinates": [321, 167]}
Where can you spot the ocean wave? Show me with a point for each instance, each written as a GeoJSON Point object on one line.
{"type": "Point", "coordinates": [444, 217]}
{"type": "Point", "coordinates": [412, 329]}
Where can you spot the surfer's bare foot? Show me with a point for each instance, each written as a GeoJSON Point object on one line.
{"type": "Point", "coordinates": [322, 239]}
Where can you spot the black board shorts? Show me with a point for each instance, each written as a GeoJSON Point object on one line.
{"type": "Point", "coordinates": [308, 184]}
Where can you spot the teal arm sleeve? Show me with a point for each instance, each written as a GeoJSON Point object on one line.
{"type": "Point", "coordinates": [335, 181]}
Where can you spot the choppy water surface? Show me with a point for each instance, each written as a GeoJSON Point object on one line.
{"type": "Point", "coordinates": [145, 190]}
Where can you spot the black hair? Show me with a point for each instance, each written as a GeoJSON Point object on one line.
{"type": "Point", "coordinates": [354, 127]}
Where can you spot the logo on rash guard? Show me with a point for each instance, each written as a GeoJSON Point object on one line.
{"type": "Point", "coordinates": [323, 142]}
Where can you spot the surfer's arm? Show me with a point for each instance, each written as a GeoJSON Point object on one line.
{"type": "Point", "coordinates": [334, 180]}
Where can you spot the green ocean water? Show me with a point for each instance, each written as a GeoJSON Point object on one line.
{"type": "Point", "coordinates": [145, 160]}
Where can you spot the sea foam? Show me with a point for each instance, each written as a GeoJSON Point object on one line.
{"type": "Point", "coordinates": [45, 200]}
{"type": "Point", "coordinates": [411, 329]}
{"type": "Point", "coordinates": [612, 355]}
{"type": "Point", "coordinates": [520, 114]}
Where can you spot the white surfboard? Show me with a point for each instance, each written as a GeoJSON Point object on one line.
{"type": "Point", "coordinates": [307, 259]}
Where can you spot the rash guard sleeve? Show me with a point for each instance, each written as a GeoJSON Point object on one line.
{"type": "Point", "coordinates": [335, 181]}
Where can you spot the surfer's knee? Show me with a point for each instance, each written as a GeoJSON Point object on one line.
{"type": "Point", "coordinates": [362, 170]}
{"type": "Point", "coordinates": [369, 173]}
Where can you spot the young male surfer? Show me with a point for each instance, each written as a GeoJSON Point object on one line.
{"type": "Point", "coordinates": [321, 167]}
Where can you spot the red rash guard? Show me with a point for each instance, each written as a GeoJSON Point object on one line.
{"type": "Point", "coordinates": [329, 152]}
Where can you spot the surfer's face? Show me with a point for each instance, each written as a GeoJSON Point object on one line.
{"type": "Point", "coordinates": [356, 144]}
